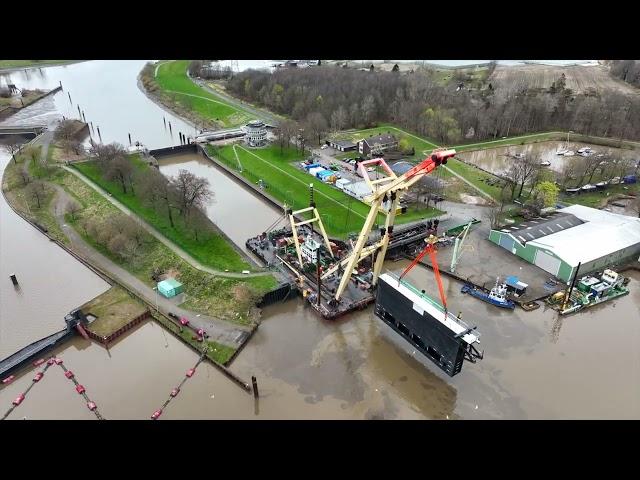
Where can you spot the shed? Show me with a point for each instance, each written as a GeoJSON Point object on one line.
{"type": "Point", "coordinates": [342, 183]}
{"type": "Point", "coordinates": [170, 287]}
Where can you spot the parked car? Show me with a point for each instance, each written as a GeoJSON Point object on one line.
{"type": "Point", "coordinates": [323, 147]}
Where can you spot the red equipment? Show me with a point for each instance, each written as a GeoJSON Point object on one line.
{"type": "Point", "coordinates": [431, 250]}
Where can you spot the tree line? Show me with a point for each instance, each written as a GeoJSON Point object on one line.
{"type": "Point", "coordinates": [340, 98]}
{"type": "Point", "coordinates": [627, 71]}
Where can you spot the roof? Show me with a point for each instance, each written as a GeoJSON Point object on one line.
{"type": "Point", "coordinates": [542, 227]}
{"type": "Point", "coordinates": [382, 139]}
{"type": "Point", "coordinates": [169, 283]}
{"type": "Point", "coordinates": [601, 234]}
{"type": "Point", "coordinates": [343, 143]}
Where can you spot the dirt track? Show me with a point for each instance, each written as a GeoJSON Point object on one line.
{"type": "Point", "coordinates": [578, 78]}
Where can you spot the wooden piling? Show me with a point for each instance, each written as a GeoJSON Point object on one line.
{"type": "Point", "coordinates": [254, 381]}
{"type": "Point", "coordinates": [14, 279]}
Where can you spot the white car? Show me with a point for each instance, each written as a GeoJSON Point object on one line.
{"type": "Point", "coordinates": [323, 147]}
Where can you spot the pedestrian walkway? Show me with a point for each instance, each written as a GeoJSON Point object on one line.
{"type": "Point", "coordinates": [168, 243]}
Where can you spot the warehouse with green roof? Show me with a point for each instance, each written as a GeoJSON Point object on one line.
{"type": "Point", "coordinates": [593, 238]}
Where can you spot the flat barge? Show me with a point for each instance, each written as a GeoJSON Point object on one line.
{"type": "Point", "coordinates": [276, 249]}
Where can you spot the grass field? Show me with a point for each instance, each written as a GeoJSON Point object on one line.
{"type": "Point", "coordinates": [211, 249]}
{"type": "Point", "coordinates": [173, 80]}
{"type": "Point", "coordinates": [113, 309]}
{"type": "Point", "coordinates": [476, 176]}
{"type": "Point", "coordinates": [341, 213]}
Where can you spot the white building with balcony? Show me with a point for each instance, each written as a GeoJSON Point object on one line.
{"type": "Point", "coordinates": [255, 133]}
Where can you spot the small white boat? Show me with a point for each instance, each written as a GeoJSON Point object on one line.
{"type": "Point", "coordinates": [569, 153]}
{"type": "Point", "coordinates": [561, 151]}
{"type": "Point", "coordinates": [588, 187]}
{"type": "Point", "coordinates": [614, 181]}
{"type": "Point", "coordinates": [545, 164]}
{"type": "Point", "coordinates": [519, 155]}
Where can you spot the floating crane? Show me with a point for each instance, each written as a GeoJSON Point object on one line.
{"type": "Point", "coordinates": [385, 197]}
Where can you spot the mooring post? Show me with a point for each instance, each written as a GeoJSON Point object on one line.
{"type": "Point", "coordinates": [14, 279]}
{"type": "Point", "coordinates": [254, 381]}
{"type": "Point", "coordinates": [165, 122]}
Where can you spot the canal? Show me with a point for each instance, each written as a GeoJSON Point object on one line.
{"type": "Point", "coordinates": [535, 365]}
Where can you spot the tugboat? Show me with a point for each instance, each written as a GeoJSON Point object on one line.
{"type": "Point", "coordinates": [497, 296]}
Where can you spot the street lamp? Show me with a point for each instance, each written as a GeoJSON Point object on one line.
{"type": "Point", "coordinates": [156, 290]}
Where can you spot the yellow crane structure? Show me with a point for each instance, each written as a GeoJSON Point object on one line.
{"type": "Point", "coordinates": [385, 197]}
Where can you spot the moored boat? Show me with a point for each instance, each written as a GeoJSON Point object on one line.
{"type": "Point", "coordinates": [497, 296]}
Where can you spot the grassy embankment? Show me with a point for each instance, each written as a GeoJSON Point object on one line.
{"type": "Point", "coordinates": [341, 213]}
{"type": "Point", "coordinates": [210, 249]}
{"type": "Point", "coordinates": [20, 197]}
{"type": "Point", "coordinates": [173, 81]}
{"type": "Point", "coordinates": [205, 293]}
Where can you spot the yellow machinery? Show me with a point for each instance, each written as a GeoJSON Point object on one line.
{"type": "Point", "coordinates": [385, 189]}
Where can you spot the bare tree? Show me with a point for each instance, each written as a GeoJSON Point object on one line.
{"type": "Point", "coordinates": [12, 148]}
{"type": "Point", "coordinates": [316, 125]}
{"type": "Point", "coordinates": [72, 207]}
{"type": "Point", "coordinates": [36, 190]}
{"type": "Point", "coordinates": [65, 130]}
{"type": "Point", "coordinates": [157, 191]}
{"type": "Point", "coordinates": [71, 145]}
{"type": "Point", "coordinates": [527, 168]}
{"type": "Point", "coordinates": [121, 170]}
{"type": "Point", "coordinates": [116, 244]}
{"type": "Point", "coordinates": [338, 119]}
{"type": "Point", "coordinates": [24, 174]}
{"type": "Point", "coordinates": [192, 191]}
{"type": "Point", "coordinates": [104, 154]}
{"type": "Point", "coordinates": [286, 130]}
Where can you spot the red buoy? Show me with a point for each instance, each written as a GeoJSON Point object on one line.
{"type": "Point", "coordinates": [190, 372]}
{"type": "Point", "coordinates": [38, 377]}
{"type": "Point", "coordinates": [18, 399]}
{"type": "Point", "coordinates": [68, 374]}
{"type": "Point", "coordinates": [38, 362]}
{"type": "Point", "coordinates": [91, 406]}
{"type": "Point", "coordinates": [9, 379]}
{"type": "Point", "coordinates": [156, 414]}
{"type": "Point", "coordinates": [80, 389]}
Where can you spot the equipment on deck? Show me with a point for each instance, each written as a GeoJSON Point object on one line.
{"type": "Point", "coordinates": [386, 192]}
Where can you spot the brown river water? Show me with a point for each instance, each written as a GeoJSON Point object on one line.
{"type": "Point", "coordinates": [535, 365]}
{"type": "Point", "coordinates": [496, 160]}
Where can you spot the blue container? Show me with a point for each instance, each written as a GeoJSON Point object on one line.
{"type": "Point", "coordinates": [629, 179]}
{"type": "Point", "coordinates": [313, 165]}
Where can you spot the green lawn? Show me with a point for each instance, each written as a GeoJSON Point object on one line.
{"type": "Point", "coordinates": [341, 213]}
{"type": "Point", "coordinates": [172, 77]}
{"type": "Point", "coordinates": [211, 249]}
{"type": "Point", "coordinates": [519, 140]}
{"type": "Point", "coordinates": [476, 176]}
{"type": "Point", "coordinates": [596, 199]}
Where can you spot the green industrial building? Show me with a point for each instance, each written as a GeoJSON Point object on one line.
{"type": "Point", "coordinates": [574, 235]}
{"type": "Point", "coordinates": [170, 287]}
